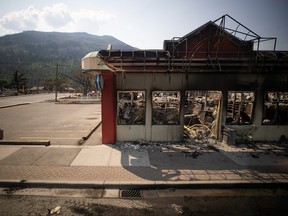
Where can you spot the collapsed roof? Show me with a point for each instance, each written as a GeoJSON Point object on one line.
{"type": "Point", "coordinates": [224, 45]}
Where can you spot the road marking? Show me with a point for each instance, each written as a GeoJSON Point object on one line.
{"type": "Point", "coordinates": [50, 131]}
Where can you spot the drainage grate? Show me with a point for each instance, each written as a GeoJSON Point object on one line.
{"type": "Point", "coordinates": [130, 193]}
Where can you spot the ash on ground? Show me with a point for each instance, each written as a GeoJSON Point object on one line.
{"type": "Point", "coordinates": [192, 148]}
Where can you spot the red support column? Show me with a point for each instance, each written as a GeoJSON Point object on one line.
{"type": "Point", "coordinates": [108, 109]}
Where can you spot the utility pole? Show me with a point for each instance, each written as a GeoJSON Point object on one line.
{"type": "Point", "coordinates": [56, 86]}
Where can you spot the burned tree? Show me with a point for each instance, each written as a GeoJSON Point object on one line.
{"type": "Point", "coordinates": [84, 80]}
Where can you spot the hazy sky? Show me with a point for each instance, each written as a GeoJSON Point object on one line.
{"type": "Point", "coordinates": [144, 24]}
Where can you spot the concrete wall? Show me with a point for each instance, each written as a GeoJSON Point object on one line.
{"type": "Point", "coordinates": [149, 82]}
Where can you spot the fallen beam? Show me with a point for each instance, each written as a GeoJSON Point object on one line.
{"type": "Point", "coordinates": [83, 139]}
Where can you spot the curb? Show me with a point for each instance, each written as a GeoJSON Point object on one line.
{"type": "Point", "coordinates": [2, 107]}
{"type": "Point", "coordinates": [137, 186]}
{"type": "Point", "coordinates": [25, 142]}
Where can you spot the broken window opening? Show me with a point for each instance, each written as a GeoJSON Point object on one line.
{"type": "Point", "coordinates": [202, 110]}
{"type": "Point", "coordinates": [240, 107]}
{"type": "Point", "coordinates": [166, 107]}
{"type": "Point", "coordinates": [275, 110]}
{"type": "Point", "coordinates": [131, 107]}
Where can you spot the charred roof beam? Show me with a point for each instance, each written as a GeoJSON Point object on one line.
{"type": "Point", "coordinates": [247, 33]}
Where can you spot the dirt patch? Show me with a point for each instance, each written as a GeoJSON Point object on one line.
{"type": "Point", "coordinates": [234, 204]}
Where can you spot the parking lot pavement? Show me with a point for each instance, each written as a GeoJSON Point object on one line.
{"type": "Point", "coordinates": [62, 124]}
{"type": "Point", "coordinates": [6, 102]}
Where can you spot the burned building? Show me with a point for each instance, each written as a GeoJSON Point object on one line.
{"type": "Point", "coordinates": [217, 77]}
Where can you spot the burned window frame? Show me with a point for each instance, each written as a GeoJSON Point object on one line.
{"type": "Point", "coordinates": [241, 113]}
{"type": "Point", "coordinates": [202, 108]}
{"type": "Point", "coordinates": [166, 107]}
{"type": "Point", "coordinates": [278, 100]}
{"type": "Point", "coordinates": [131, 108]}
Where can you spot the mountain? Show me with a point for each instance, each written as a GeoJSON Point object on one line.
{"type": "Point", "coordinates": [56, 44]}
{"type": "Point", "coordinates": [34, 52]}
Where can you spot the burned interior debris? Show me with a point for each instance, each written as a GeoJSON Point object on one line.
{"type": "Point", "coordinates": [131, 107]}
{"type": "Point", "coordinates": [201, 114]}
{"type": "Point", "coordinates": [275, 108]}
{"type": "Point", "coordinates": [166, 107]}
{"type": "Point", "coordinates": [240, 107]}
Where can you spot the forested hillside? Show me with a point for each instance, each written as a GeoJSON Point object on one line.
{"type": "Point", "coordinates": [36, 54]}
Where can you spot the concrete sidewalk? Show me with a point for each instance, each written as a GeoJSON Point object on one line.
{"type": "Point", "coordinates": [136, 166]}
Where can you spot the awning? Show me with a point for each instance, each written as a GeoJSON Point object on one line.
{"type": "Point", "coordinates": [92, 62]}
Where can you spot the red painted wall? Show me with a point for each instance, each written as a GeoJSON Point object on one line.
{"type": "Point", "coordinates": [108, 106]}
{"type": "Point", "coordinates": [210, 42]}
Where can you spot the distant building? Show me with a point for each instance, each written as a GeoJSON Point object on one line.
{"type": "Point", "coordinates": [69, 90]}
{"type": "Point", "coordinates": [37, 90]}
{"type": "Point", "coordinates": [215, 78]}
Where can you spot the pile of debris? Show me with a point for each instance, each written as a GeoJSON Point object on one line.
{"type": "Point", "coordinates": [256, 148]}
{"type": "Point", "coordinates": [201, 115]}
{"type": "Point", "coordinates": [199, 133]}
{"type": "Point", "coordinates": [187, 148]}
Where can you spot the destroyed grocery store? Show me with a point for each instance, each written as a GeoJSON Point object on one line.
{"type": "Point", "coordinates": [219, 80]}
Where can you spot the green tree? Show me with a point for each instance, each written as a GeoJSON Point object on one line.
{"type": "Point", "coordinates": [18, 80]}
{"type": "Point", "coordinates": [3, 84]}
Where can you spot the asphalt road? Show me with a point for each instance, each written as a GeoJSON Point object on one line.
{"type": "Point", "coordinates": [35, 119]}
